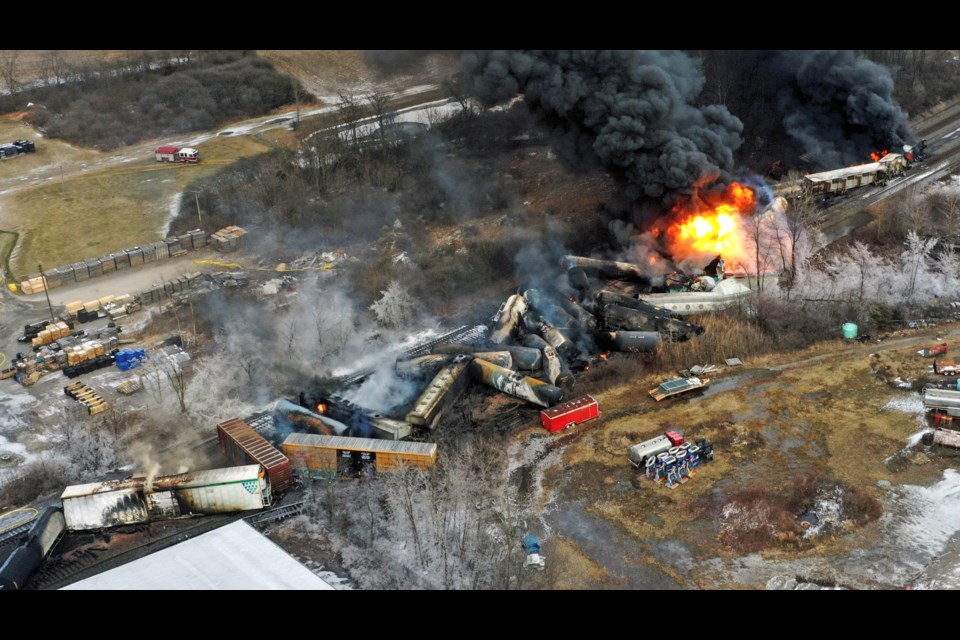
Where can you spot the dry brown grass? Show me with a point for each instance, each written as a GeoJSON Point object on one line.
{"type": "Point", "coordinates": [117, 207]}
{"type": "Point", "coordinates": [723, 337]}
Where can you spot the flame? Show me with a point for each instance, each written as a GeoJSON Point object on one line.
{"type": "Point", "coordinates": [713, 230]}
{"type": "Point", "coordinates": [875, 155]}
{"type": "Point", "coordinates": [321, 408]}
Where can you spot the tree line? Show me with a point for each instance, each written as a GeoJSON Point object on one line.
{"type": "Point", "coordinates": [146, 95]}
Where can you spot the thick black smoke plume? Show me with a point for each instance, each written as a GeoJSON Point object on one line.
{"type": "Point", "coordinates": [830, 105]}
{"type": "Point", "coordinates": [837, 106]}
{"type": "Point", "coordinates": [633, 112]}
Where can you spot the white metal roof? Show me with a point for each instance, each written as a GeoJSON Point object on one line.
{"type": "Point", "coordinates": [233, 557]}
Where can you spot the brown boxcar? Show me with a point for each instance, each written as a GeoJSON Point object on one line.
{"type": "Point", "coordinates": [242, 445]}
{"type": "Point", "coordinates": [319, 455]}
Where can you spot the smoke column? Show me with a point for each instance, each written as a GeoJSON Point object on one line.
{"type": "Point", "coordinates": [631, 112]}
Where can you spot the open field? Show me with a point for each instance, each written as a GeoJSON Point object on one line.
{"type": "Point", "coordinates": [116, 207]}
{"type": "Point", "coordinates": [820, 415]}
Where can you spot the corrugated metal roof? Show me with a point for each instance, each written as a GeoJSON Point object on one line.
{"type": "Point", "coordinates": [361, 444]}
{"type": "Point", "coordinates": [258, 447]}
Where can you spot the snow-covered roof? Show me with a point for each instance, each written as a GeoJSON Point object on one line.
{"type": "Point", "coordinates": [233, 557]}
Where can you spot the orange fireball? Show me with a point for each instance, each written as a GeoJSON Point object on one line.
{"type": "Point", "coordinates": [712, 230]}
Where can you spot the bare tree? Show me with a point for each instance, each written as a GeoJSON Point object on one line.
{"type": "Point", "coordinates": [761, 242]}
{"type": "Point", "coordinates": [454, 87]}
{"type": "Point", "coordinates": [379, 103]}
{"type": "Point", "coordinates": [8, 69]}
{"type": "Point", "coordinates": [178, 382]}
{"type": "Point", "coordinates": [54, 68]}
{"type": "Point", "coordinates": [351, 112]}
{"type": "Point", "coordinates": [915, 209]}
{"type": "Point", "coordinates": [801, 218]}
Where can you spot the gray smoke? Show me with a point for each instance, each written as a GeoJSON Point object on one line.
{"type": "Point", "coordinates": [837, 106]}
{"type": "Point", "coordinates": [631, 112]}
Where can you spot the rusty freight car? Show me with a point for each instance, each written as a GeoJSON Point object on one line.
{"type": "Point", "coordinates": [242, 445]}
{"type": "Point", "coordinates": [316, 455]}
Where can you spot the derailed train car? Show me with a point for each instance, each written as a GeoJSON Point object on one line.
{"type": "Point", "coordinates": [113, 503]}
{"type": "Point", "coordinates": [25, 559]}
{"type": "Point", "coordinates": [839, 181]}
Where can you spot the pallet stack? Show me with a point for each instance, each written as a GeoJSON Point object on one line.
{"type": "Point", "coordinates": [129, 387]}
{"type": "Point", "coordinates": [52, 332]}
{"type": "Point", "coordinates": [87, 397]}
{"type": "Point", "coordinates": [32, 285]}
{"type": "Point", "coordinates": [228, 238]}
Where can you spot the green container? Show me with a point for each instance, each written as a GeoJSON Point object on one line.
{"type": "Point", "coordinates": [850, 331]}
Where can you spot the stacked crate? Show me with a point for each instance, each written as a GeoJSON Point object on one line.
{"type": "Point", "coordinates": [52, 332]}
{"type": "Point", "coordinates": [80, 272]}
{"type": "Point", "coordinates": [228, 238]}
{"type": "Point", "coordinates": [94, 267]}
{"type": "Point", "coordinates": [107, 264]}
{"type": "Point", "coordinates": [87, 397]}
{"type": "Point", "coordinates": [121, 259]}
{"type": "Point", "coordinates": [32, 285]}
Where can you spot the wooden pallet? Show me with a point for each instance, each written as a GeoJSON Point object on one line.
{"type": "Point", "coordinates": [87, 397]}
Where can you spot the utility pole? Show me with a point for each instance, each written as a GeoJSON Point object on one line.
{"type": "Point", "coordinates": [46, 292]}
{"type": "Point", "coordinates": [196, 197]}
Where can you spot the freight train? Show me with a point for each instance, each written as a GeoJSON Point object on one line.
{"type": "Point", "coordinates": [883, 168]}
{"type": "Point", "coordinates": [25, 559]}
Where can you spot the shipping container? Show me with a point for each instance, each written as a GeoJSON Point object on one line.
{"type": "Point", "coordinates": [316, 455]}
{"type": "Point", "coordinates": [118, 502]}
{"type": "Point", "coordinates": [242, 445]}
{"type": "Point", "coordinates": [570, 413]}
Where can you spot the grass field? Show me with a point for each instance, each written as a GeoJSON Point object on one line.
{"type": "Point", "coordinates": [93, 213]}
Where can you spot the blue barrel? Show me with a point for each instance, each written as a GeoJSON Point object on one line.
{"type": "Point", "coordinates": [850, 331]}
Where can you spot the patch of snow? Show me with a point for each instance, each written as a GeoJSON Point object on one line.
{"type": "Point", "coordinates": [13, 407]}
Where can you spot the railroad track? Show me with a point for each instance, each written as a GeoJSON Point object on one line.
{"type": "Point", "coordinates": [466, 333]}
{"type": "Point", "coordinates": [90, 560]}
{"type": "Point", "coordinates": [277, 513]}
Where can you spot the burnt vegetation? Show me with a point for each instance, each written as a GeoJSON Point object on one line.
{"type": "Point", "coordinates": [150, 94]}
